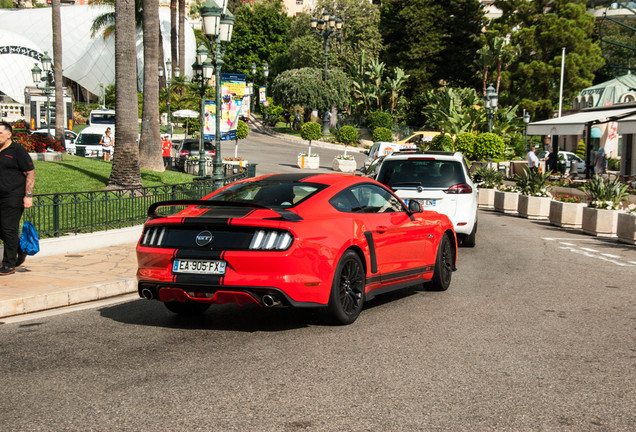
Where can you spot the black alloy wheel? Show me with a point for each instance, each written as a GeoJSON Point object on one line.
{"type": "Point", "coordinates": [188, 308]}
{"type": "Point", "coordinates": [347, 290]}
{"type": "Point", "coordinates": [443, 266]}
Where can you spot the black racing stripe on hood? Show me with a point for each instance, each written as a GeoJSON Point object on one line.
{"type": "Point", "coordinates": [294, 177]}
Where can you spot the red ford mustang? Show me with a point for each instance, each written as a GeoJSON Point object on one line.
{"type": "Point", "coordinates": [303, 240]}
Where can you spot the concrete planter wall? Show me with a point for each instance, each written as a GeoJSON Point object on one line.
{"type": "Point", "coordinates": [566, 215]}
{"type": "Point", "coordinates": [506, 202]}
{"type": "Point", "coordinates": [534, 207]}
{"type": "Point", "coordinates": [600, 223]}
{"type": "Point", "coordinates": [486, 198]}
{"type": "Point", "coordinates": [626, 228]}
{"type": "Point", "coordinates": [344, 165]}
{"type": "Point", "coordinates": [309, 162]}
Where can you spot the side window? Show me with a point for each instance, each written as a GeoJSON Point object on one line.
{"type": "Point", "coordinates": [374, 199]}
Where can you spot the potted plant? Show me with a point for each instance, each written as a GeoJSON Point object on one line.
{"type": "Point", "coordinates": [309, 131]}
{"type": "Point", "coordinates": [490, 179]}
{"type": "Point", "coordinates": [346, 135]}
{"type": "Point", "coordinates": [566, 211]}
{"type": "Point", "coordinates": [626, 226]}
{"type": "Point", "coordinates": [600, 217]}
{"type": "Point", "coordinates": [242, 130]}
{"type": "Point", "coordinates": [534, 202]}
{"type": "Point", "coordinates": [507, 200]}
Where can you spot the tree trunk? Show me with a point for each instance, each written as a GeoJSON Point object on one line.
{"type": "Point", "coordinates": [150, 142]}
{"type": "Point", "coordinates": [60, 117]}
{"type": "Point", "coordinates": [174, 37]}
{"type": "Point", "coordinates": [125, 172]}
{"type": "Point", "coordinates": [182, 17]}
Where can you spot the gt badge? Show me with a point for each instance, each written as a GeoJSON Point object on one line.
{"type": "Point", "coordinates": [204, 238]}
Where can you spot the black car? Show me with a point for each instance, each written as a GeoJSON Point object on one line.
{"type": "Point", "coordinates": [189, 148]}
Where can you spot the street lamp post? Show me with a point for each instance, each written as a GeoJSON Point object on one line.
{"type": "Point", "coordinates": [327, 27]}
{"type": "Point", "coordinates": [218, 23]}
{"type": "Point", "coordinates": [526, 120]}
{"type": "Point", "coordinates": [265, 75]}
{"type": "Point", "coordinates": [490, 102]}
{"type": "Point", "coordinates": [253, 86]}
{"type": "Point", "coordinates": [36, 72]}
{"type": "Point", "coordinates": [202, 69]}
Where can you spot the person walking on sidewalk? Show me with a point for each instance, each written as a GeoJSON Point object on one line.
{"type": "Point", "coordinates": [17, 179]}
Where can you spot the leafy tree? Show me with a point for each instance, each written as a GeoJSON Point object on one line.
{"type": "Point", "coordinates": [242, 130]}
{"type": "Point", "coordinates": [310, 131]}
{"type": "Point", "coordinates": [489, 146]}
{"type": "Point", "coordinates": [441, 142]}
{"type": "Point", "coordinates": [348, 135]}
{"type": "Point", "coordinates": [307, 88]}
{"type": "Point", "coordinates": [465, 143]}
{"type": "Point", "coordinates": [377, 119]}
{"type": "Point", "coordinates": [382, 134]}
{"type": "Point", "coordinates": [539, 29]}
{"type": "Point", "coordinates": [261, 32]}
{"type": "Point", "coordinates": [453, 110]}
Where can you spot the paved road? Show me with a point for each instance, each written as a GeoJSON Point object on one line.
{"type": "Point", "coordinates": [536, 333]}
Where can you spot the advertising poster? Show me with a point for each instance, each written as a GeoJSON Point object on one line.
{"type": "Point", "coordinates": [261, 94]}
{"type": "Point", "coordinates": [233, 93]}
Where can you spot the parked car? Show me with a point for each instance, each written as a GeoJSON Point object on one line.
{"type": "Point", "coordinates": [88, 142]}
{"type": "Point", "coordinates": [438, 181]}
{"type": "Point", "coordinates": [384, 148]}
{"type": "Point", "coordinates": [301, 240]}
{"type": "Point", "coordinates": [69, 135]}
{"type": "Point", "coordinates": [189, 148]}
{"type": "Point", "coordinates": [372, 170]}
{"type": "Point", "coordinates": [565, 160]}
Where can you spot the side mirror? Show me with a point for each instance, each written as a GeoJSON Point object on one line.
{"type": "Point", "coordinates": [366, 152]}
{"type": "Point", "coordinates": [415, 206]}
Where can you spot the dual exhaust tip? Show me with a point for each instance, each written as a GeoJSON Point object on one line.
{"type": "Point", "coordinates": [268, 300]}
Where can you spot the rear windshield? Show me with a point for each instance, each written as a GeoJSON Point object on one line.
{"type": "Point", "coordinates": [102, 118]}
{"type": "Point", "coordinates": [88, 139]}
{"type": "Point", "coordinates": [421, 172]}
{"type": "Point", "coordinates": [270, 194]}
{"type": "Point", "coordinates": [190, 146]}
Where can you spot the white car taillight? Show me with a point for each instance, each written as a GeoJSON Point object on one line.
{"type": "Point", "coordinates": [271, 240]}
{"type": "Point", "coordinates": [461, 188]}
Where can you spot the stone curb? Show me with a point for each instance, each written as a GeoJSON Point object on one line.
{"type": "Point", "coordinates": [67, 297]}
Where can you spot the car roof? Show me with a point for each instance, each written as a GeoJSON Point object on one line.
{"type": "Point", "coordinates": [330, 179]}
{"type": "Point", "coordinates": [437, 154]}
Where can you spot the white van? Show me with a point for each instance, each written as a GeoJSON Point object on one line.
{"type": "Point", "coordinates": [102, 117]}
{"type": "Point", "coordinates": [384, 148]}
{"type": "Point", "coordinates": [87, 142]}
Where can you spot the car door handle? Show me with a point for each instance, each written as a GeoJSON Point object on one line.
{"type": "Point", "coordinates": [381, 229]}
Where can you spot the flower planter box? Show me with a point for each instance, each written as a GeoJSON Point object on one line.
{"type": "Point", "coordinates": [344, 165]}
{"type": "Point", "coordinates": [309, 162]}
{"type": "Point", "coordinates": [626, 228]}
{"type": "Point", "coordinates": [486, 198]}
{"type": "Point", "coordinates": [534, 207]}
{"type": "Point", "coordinates": [600, 223]}
{"type": "Point", "coordinates": [506, 202]}
{"type": "Point", "coordinates": [241, 163]}
{"type": "Point", "coordinates": [566, 215]}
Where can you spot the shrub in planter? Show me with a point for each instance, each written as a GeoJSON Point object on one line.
{"type": "Point", "coordinates": [441, 142]}
{"type": "Point", "coordinates": [382, 134]}
{"type": "Point", "coordinates": [465, 143]}
{"type": "Point", "coordinates": [37, 143]}
{"type": "Point", "coordinates": [489, 146]}
{"type": "Point", "coordinates": [613, 164]}
{"type": "Point", "coordinates": [348, 135]}
{"type": "Point", "coordinates": [310, 131]}
{"type": "Point", "coordinates": [490, 177]}
{"type": "Point", "coordinates": [604, 193]}
{"type": "Point", "coordinates": [580, 149]}
{"type": "Point", "coordinates": [377, 119]}
{"type": "Point", "coordinates": [533, 183]}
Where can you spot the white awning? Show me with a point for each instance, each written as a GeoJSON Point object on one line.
{"type": "Point", "coordinates": [574, 124]}
{"type": "Point", "coordinates": [627, 125]}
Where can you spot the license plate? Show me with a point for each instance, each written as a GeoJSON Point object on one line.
{"type": "Point", "coordinates": [428, 202]}
{"type": "Point", "coordinates": [198, 266]}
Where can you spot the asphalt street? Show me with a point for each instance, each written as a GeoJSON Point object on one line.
{"type": "Point", "coordinates": [535, 333]}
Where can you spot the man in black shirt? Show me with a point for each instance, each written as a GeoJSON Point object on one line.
{"type": "Point", "coordinates": [17, 178]}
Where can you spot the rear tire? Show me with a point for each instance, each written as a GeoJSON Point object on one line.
{"type": "Point", "coordinates": [347, 290]}
{"type": "Point", "coordinates": [443, 266]}
{"type": "Point", "coordinates": [471, 239]}
{"type": "Point", "coordinates": [189, 308]}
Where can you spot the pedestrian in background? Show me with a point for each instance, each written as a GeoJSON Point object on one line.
{"type": "Point", "coordinates": [599, 161]}
{"type": "Point", "coordinates": [17, 179]}
{"type": "Point", "coordinates": [107, 142]}
{"type": "Point", "coordinates": [287, 117]}
{"type": "Point", "coordinates": [166, 151]}
{"type": "Point", "coordinates": [533, 160]}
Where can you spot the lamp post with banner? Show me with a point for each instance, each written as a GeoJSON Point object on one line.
{"type": "Point", "coordinates": [218, 23]}
{"type": "Point", "coordinates": [202, 72]}
{"type": "Point", "coordinates": [36, 72]}
{"type": "Point", "coordinates": [253, 94]}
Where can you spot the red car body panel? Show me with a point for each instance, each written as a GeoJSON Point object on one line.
{"type": "Point", "coordinates": [396, 248]}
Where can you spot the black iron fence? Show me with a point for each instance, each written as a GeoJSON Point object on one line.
{"type": "Point", "coordinates": [59, 214]}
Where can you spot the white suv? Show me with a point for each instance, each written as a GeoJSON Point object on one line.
{"type": "Point", "coordinates": [440, 182]}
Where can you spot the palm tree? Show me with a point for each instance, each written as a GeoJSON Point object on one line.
{"type": "Point", "coordinates": [174, 53]}
{"type": "Point", "coordinates": [182, 17]}
{"type": "Point", "coordinates": [150, 142]}
{"type": "Point", "coordinates": [60, 118]}
{"type": "Point", "coordinates": [375, 72]}
{"type": "Point", "coordinates": [125, 172]}
{"type": "Point", "coordinates": [395, 86]}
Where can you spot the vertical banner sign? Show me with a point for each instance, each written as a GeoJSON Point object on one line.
{"type": "Point", "coordinates": [232, 94]}
{"type": "Point", "coordinates": [261, 95]}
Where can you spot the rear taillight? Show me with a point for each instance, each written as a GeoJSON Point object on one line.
{"type": "Point", "coordinates": [184, 153]}
{"type": "Point", "coordinates": [271, 240]}
{"type": "Point", "coordinates": [461, 188]}
{"type": "Point", "coordinates": [211, 153]}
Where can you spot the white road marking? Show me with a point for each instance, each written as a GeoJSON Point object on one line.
{"type": "Point", "coordinates": [610, 256]}
{"type": "Point", "coordinates": [589, 249]}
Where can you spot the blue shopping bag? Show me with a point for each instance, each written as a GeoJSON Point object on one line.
{"type": "Point", "coordinates": [29, 240]}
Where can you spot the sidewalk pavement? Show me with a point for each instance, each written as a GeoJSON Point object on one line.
{"type": "Point", "coordinates": [72, 270]}
{"type": "Point", "coordinates": [86, 267]}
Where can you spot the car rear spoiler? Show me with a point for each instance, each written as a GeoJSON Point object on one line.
{"type": "Point", "coordinates": [152, 210]}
